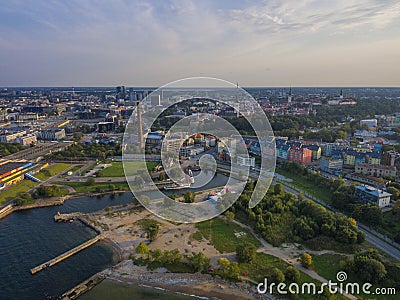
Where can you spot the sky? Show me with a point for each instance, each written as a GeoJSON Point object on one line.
{"type": "Point", "coordinates": [151, 43]}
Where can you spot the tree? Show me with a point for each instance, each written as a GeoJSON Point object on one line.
{"type": "Point", "coordinates": [90, 181]}
{"type": "Point", "coordinates": [277, 276]}
{"type": "Point", "coordinates": [142, 248]}
{"type": "Point", "coordinates": [292, 274]}
{"type": "Point", "coordinates": [300, 197]}
{"type": "Point", "coordinates": [153, 231]}
{"type": "Point", "coordinates": [278, 189]}
{"type": "Point", "coordinates": [199, 261]}
{"type": "Point", "coordinates": [306, 260]}
{"type": "Point", "coordinates": [189, 197]}
{"type": "Point", "coordinates": [229, 216]}
{"type": "Point", "coordinates": [246, 253]}
{"type": "Point", "coordinates": [156, 255]}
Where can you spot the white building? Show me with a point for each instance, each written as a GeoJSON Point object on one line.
{"type": "Point", "coordinates": [371, 123]}
{"type": "Point", "coordinates": [246, 161]}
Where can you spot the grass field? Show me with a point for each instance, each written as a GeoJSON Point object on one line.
{"type": "Point", "coordinates": [25, 185]}
{"type": "Point", "coordinates": [117, 169]}
{"type": "Point", "coordinates": [327, 265]}
{"type": "Point", "coordinates": [263, 265]}
{"type": "Point", "coordinates": [328, 243]}
{"type": "Point", "coordinates": [73, 170]}
{"type": "Point", "coordinates": [98, 187]}
{"type": "Point", "coordinates": [310, 187]}
{"type": "Point", "coordinates": [222, 235]}
{"type": "Point", "coordinates": [52, 171]}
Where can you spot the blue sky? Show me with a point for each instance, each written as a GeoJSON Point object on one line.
{"type": "Point", "coordinates": [255, 43]}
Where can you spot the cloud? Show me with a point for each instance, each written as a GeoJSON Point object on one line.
{"type": "Point", "coordinates": [150, 42]}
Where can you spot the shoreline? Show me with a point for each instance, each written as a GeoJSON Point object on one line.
{"type": "Point", "coordinates": [47, 202]}
{"type": "Point", "coordinates": [202, 286]}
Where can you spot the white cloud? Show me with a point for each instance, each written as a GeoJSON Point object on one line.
{"type": "Point", "coordinates": [140, 42]}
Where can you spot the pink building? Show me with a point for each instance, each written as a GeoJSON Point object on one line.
{"type": "Point", "coordinates": [300, 155]}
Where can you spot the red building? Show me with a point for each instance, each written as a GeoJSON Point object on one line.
{"type": "Point", "coordinates": [300, 155]}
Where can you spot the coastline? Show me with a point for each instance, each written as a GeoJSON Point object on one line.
{"type": "Point", "coordinates": [8, 207]}
{"type": "Point", "coordinates": [203, 286]}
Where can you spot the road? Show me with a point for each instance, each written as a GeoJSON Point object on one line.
{"type": "Point", "coordinates": [41, 149]}
{"type": "Point", "coordinates": [372, 237]}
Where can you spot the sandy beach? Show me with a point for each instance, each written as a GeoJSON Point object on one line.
{"type": "Point", "coordinates": [203, 285]}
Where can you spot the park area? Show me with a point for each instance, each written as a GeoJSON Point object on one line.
{"type": "Point", "coordinates": [25, 185]}
{"type": "Point", "coordinates": [117, 169]}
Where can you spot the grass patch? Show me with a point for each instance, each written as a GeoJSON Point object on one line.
{"type": "Point", "coordinates": [197, 236]}
{"type": "Point", "coordinates": [222, 235]}
{"type": "Point", "coordinates": [327, 243]}
{"type": "Point", "coordinates": [146, 223]}
{"type": "Point", "coordinates": [117, 170]}
{"type": "Point", "coordinates": [52, 171]}
{"type": "Point", "coordinates": [310, 187]}
{"type": "Point", "coordinates": [26, 184]}
{"type": "Point", "coordinates": [177, 267]}
{"type": "Point", "coordinates": [263, 265]}
{"type": "Point", "coordinates": [73, 170]}
{"type": "Point", "coordinates": [14, 191]}
{"type": "Point", "coordinates": [98, 187]}
{"type": "Point", "coordinates": [327, 265]}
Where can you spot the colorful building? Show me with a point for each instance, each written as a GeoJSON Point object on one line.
{"type": "Point", "coordinates": [300, 155]}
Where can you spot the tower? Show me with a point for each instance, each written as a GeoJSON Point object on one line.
{"type": "Point", "coordinates": [289, 98]}
{"type": "Point", "coordinates": [341, 94]}
{"type": "Point", "coordinates": [140, 129]}
{"type": "Point", "coordinates": [237, 101]}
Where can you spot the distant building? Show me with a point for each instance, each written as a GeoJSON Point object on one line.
{"type": "Point", "coordinates": [375, 170]}
{"type": "Point", "coordinates": [300, 155]}
{"type": "Point", "coordinates": [331, 164]}
{"type": "Point", "coordinates": [246, 161]}
{"type": "Point", "coordinates": [389, 158]}
{"type": "Point", "coordinates": [52, 134]}
{"type": "Point", "coordinates": [26, 140]}
{"type": "Point", "coordinates": [316, 151]}
{"type": "Point", "coordinates": [368, 194]}
{"type": "Point", "coordinates": [10, 137]}
{"type": "Point", "coordinates": [371, 123]}
{"type": "Point", "coordinates": [189, 151]}
{"type": "Point", "coordinates": [282, 151]}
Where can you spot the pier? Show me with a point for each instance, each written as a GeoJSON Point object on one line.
{"type": "Point", "coordinates": [65, 255]}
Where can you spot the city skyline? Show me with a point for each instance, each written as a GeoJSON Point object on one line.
{"type": "Point", "coordinates": [297, 43]}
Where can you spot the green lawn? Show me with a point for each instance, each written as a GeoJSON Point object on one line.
{"type": "Point", "coordinates": [307, 186]}
{"type": "Point", "coordinates": [25, 185]}
{"type": "Point", "coordinates": [73, 170]}
{"type": "Point", "coordinates": [22, 187]}
{"type": "Point", "coordinates": [52, 170]}
{"type": "Point", "coordinates": [98, 187]}
{"type": "Point", "coordinates": [117, 169]}
{"type": "Point", "coordinates": [328, 243]}
{"type": "Point", "coordinates": [222, 235]}
{"type": "Point", "coordinates": [263, 265]}
{"type": "Point", "coordinates": [327, 265]}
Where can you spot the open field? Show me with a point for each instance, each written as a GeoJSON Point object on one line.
{"type": "Point", "coordinates": [307, 186]}
{"type": "Point", "coordinates": [73, 170]}
{"type": "Point", "coordinates": [25, 185]}
{"type": "Point", "coordinates": [52, 171]}
{"type": "Point", "coordinates": [117, 169]}
{"type": "Point", "coordinates": [98, 187]}
{"type": "Point", "coordinates": [222, 235]}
